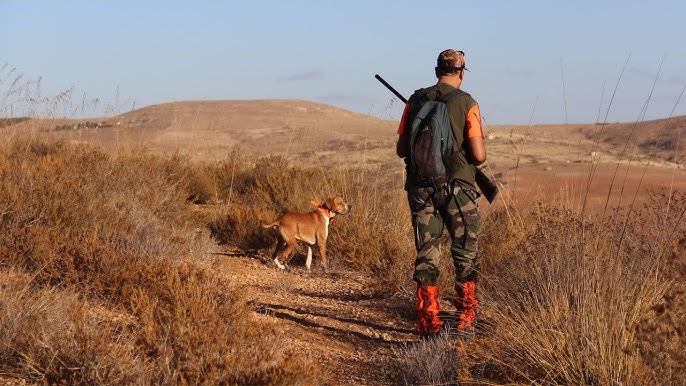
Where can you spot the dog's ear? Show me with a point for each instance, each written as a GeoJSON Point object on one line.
{"type": "Point", "coordinates": [314, 202]}
{"type": "Point", "coordinates": [330, 203]}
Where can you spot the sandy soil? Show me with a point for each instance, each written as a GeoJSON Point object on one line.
{"type": "Point", "coordinates": [335, 319]}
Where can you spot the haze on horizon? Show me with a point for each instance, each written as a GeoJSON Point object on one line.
{"type": "Point", "coordinates": [161, 51]}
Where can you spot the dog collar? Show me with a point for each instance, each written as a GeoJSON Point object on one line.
{"type": "Point", "coordinates": [330, 214]}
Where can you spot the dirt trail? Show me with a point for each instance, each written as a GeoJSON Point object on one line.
{"type": "Point", "coordinates": [333, 318]}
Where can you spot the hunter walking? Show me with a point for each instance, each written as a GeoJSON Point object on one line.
{"type": "Point", "coordinates": [441, 141]}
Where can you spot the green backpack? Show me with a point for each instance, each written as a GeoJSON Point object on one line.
{"type": "Point", "coordinates": [432, 142]}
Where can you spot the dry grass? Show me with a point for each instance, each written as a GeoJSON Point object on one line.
{"type": "Point", "coordinates": [372, 238]}
{"type": "Point", "coordinates": [565, 301]}
{"type": "Point", "coordinates": [50, 335]}
{"type": "Point", "coordinates": [107, 254]}
{"type": "Point", "coordinates": [428, 361]}
{"type": "Point", "coordinates": [107, 257]}
{"type": "Point", "coordinates": [569, 301]}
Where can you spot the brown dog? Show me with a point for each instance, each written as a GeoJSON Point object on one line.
{"type": "Point", "coordinates": [311, 227]}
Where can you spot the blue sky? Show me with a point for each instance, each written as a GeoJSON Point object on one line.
{"type": "Point", "coordinates": [328, 51]}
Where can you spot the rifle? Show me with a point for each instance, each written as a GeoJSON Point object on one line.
{"type": "Point", "coordinates": [487, 186]}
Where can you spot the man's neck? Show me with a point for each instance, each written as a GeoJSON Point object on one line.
{"type": "Point", "coordinates": [450, 82]}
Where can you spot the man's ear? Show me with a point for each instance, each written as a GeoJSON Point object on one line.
{"type": "Point", "coordinates": [314, 202]}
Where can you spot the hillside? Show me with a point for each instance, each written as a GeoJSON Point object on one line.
{"type": "Point", "coordinates": [315, 132]}
{"type": "Point", "coordinates": [209, 129]}
{"type": "Point", "coordinates": [318, 134]}
{"type": "Point", "coordinates": [657, 138]}
{"type": "Point", "coordinates": [297, 128]}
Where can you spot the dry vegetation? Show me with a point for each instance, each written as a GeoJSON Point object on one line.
{"type": "Point", "coordinates": [568, 303]}
{"type": "Point", "coordinates": [105, 276]}
{"type": "Point", "coordinates": [103, 279]}
{"type": "Point", "coordinates": [566, 299]}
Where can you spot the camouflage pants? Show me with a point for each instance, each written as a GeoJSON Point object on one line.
{"type": "Point", "coordinates": [432, 209]}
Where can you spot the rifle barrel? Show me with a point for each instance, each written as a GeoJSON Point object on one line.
{"type": "Point", "coordinates": [388, 86]}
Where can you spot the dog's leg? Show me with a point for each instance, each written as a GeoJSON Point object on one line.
{"type": "Point", "coordinates": [322, 255]}
{"type": "Point", "coordinates": [308, 262]}
{"type": "Point", "coordinates": [280, 245]}
{"type": "Point", "coordinates": [290, 248]}
{"type": "Point", "coordinates": [278, 264]}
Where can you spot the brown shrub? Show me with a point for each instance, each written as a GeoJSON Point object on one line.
{"type": "Point", "coordinates": [564, 304]}
{"type": "Point", "coordinates": [242, 226]}
{"type": "Point", "coordinates": [662, 332]}
{"type": "Point", "coordinates": [50, 335]}
{"type": "Point", "coordinates": [118, 231]}
{"type": "Point", "coordinates": [428, 361]}
{"type": "Point", "coordinates": [201, 185]}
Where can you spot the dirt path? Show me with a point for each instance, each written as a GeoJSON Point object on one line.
{"type": "Point", "coordinates": [333, 318]}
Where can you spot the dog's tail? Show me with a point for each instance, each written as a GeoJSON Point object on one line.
{"type": "Point", "coordinates": [272, 225]}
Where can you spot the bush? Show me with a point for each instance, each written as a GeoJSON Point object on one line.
{"type": "Point", "coordinates": [117, 231]}
{"type": "Point", "coordinates": [429, 361]}
{"type": "Point", "coordinates": [50, 335]}
{"type": "Point", "coordinates": [565, 303]}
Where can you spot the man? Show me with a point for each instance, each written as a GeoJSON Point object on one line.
{"type": "Point", "coordinates": [451, 203]}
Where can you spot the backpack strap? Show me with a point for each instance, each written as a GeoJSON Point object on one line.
{"type": "Point", "coordinates": [418, 95]}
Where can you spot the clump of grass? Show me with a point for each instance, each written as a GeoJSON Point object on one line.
{"type": "Point", "coordinates": [242, 226]}
{"type": "Point", "coordinates": [565, 304]}
{"type": "Point", "coordinates": [431, 361]}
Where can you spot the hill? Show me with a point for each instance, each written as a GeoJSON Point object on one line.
{"type": "Point", "coordinates": [656, 138]}
{"type": "Point", "coordinates": [318, 134]}
{"type": "Point", "coordinates": [208, 129]}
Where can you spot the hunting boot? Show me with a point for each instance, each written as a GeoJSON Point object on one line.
{"type": "Point", "coordinates": [466, 303]}
{"type": "Point", "coordinates": [428, 322]}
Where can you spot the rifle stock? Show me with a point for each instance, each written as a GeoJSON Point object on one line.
{"type": "Point", "coordinates": [487, 186]}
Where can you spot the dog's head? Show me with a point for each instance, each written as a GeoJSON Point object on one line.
{"type": "Point", "coordinates": [335, 204]}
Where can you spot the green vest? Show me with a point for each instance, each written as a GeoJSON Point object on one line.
{"type": "Point", "coordinates": [458, 107]}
